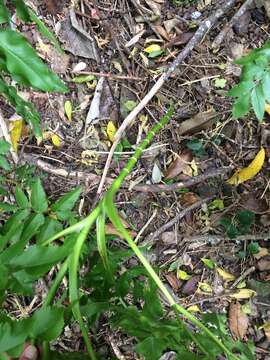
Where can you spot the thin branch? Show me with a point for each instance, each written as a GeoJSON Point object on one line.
{"type": "Point", "coordinates": [151, 237]}
{"type": "Point", "coordinates": [220, 37]}
{"type": "Point", "coordinates": [198, 36]}
{"type": "Point", "coordinates": [112, 76]}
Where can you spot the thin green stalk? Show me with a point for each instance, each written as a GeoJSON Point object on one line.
{"type": "Point", "coordinates": [73, 279]}
{"type": "Point", "coordinates": [59, 277]}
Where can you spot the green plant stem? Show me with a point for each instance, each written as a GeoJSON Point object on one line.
{"type": "Point", "coordinates": [59, 277]}
{"type": "Point", "coordinates": [73, 279]}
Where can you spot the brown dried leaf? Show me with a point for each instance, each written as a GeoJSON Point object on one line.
{"type": "Point", "coordinates": [190, 286]}
{"type": "Point", "coordinates": [250, 202]}
{"type": "Point", "coordinates": [180, 39]}
{"type": "Point", "coordinates": [238, 321]}
{"type": "Point", "coordinates": [262, 253]}
{"type": "Point", "coordinates": [110, 230]}
{"type": "Point", "coordinates": [179, 165]}
{"type": "Point", "coordinates": [162, 32]}
{"type": "Point", "coordinates": [189, 198]}
{"type": "Point", "coordinates": [197, 123]}
{"type": "Point", "coordinates": [168, 238]}
{"type": "Point", "coordinates": [173, 281]}
{"type": "Point", "coordinates": [264, 263]}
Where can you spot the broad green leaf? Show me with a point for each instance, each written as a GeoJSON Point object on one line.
{"type": "Point", "coordinates": [52, 321]}
{"type": "Point", "coordinates": [241, 106]}
{"type": "Point", "coordinates": [67, 201]}
{"type": "Point", "coordinates": [21, 198]}
{"type": "Point", "coordinates": [38, 255]}
{"type": "Point", "coordinates": [38, 197]}
{"type": "Point", "coordinates": [32, 226]}
{"type": "Point", "coordinates": [266, 86]}
{"type": "Point", "coordinates": [22, 62]}
{"type": "Point", "coordinates": [15, 219]}
{"type": "Point", "coordinates": [48, 230]}
{"type": "Point", "coordinates": [151, 348]}
{"type": "Point", "coordinates": [4, 164]}
{"type": "Point", "coordinates": [258, 101]}
{"type": "Point", "coordinates": [242, 88]}
{"type": "Point", "coordinates": [5, 207]}
{"type": "Point", "coordinates": [4, 147]}
{"type": "Point", "coordinates": [10, 338]}
{"type": "Point", "coordinates": [22, 10]}
{"type": "Point", "coordinates": [4, 14]}
{"type": "Point", "coordinates": [23, 108]}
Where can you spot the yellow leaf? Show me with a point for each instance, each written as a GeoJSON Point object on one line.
{"type": "Point", "coordinates": [56, 140]}
{"type": "Point", "coordinates": [205, 287]}
{"type": "Point", "coordinates": [152, 48]}
{"type": "Point", "coordinates": [194, 308]}
{"type": "Point", "coordinates": [267, 108]}
{"type": "Point", "coordinates": [243, 294]}
{"type": "Point", "coordinates": [182, 275]}
{"type": "Point", "coordinates": [111, 130]}
{"type": "Point", "coordinates": [225, 275]}
{"type": "Point", "coordinates": [249, 172]}
{"type": "Point", "coordinates": [16, 132]}
{"type": "Point", "coordinates": [68, 109]}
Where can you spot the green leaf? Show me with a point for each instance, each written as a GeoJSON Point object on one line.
{"type": "Point", "coordinates": [22, 62]}
{"type": "Point", "coordinates": [101, 242]}
{"type": "Point", "coordinates": [253, 248]}
{"type": "Point", "coordinates": [32, 226]}
{"type": "Point", "coordinates": [130, 105]}
{"type": "Point", "coordinates": [4, 164]}
{"type": "Point", "coordinates": [220, 83]}
{"type": "Point", "coordinates": [4, 147]}
{"type": "Point", "coordinates": [21, 198]}
{"type": "Point", "coordinates": [21, 10]}
{"type": "Point", "coordinates": [241, 106]}
{"type": "Point", "coordinates": [10, 338]}
{"type": "Point", "coordinates": [4, 14]}
{"type": "Point", "coordinates": [47, 323]}
{"type": "Point", "coordinates": [39, 255]}
{"type": "Point", "coordinates": [23, 108]}
{"type": "Point", "coordinates": [240, 89]}
{"type": "Point", "coordinates": [258, 101]}
{"type": "Point", "coordinates": [155, 54]}
{"type": "Point", "coordinates": [83, 79]}
{"type": "Point", "coordinates": [266, 86]}
{"type": "Point", "coordinates": [67, 201]}
{"type": "Point", "coordinates": [151, 348]}
{"type": "Point", "coordinates": [5, 207]}
{"type": "Point", "coordinates": [209, 263]}
{"type": "Point", "coordinates": [48, 230]}
{"type": "Point", "coordinates": [38, 197]}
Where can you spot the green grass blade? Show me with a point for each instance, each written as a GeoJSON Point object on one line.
{"type": "Point", "coordinates": [101, 241]}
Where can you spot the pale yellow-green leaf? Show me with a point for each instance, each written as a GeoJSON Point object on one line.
{"type": "Point", "coordinates": [111, 130]}
{"type": "Point", "coordinates": [56, 140]}
{"type": "Point", "coordinates": [182, 275]}
{"type": "Point", "coordinates": [225, 275]}
{"type": "Point", "coordinates": [152, 48]}
{"type": "Point", "coordinates": [250, 171]}
{"type": "Point", "coordinates": [68, 109]}
{"type": "Point", "coordinates": [203, 286]}
{"type": "Point", "coordinates": [267, 108]}
{"type": "Point", "coordinates": [16, 132]}
{"type": "Point", "coordinates": [243, 294]}
{"type": "Point", "coordinates": [194, 309]}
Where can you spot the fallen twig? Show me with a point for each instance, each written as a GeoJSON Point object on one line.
{"type": "Point", "coordinates": [220, 37]}
{"type": "Point", "coordinates": [198, 36]}
{"type": "Point", "coordinates": [151, 237]}
{"type": "Point", "coordinates": [112, 76]}
{"type": "Point", "coordinates": [182, 184]}
{"type": "Point", "coordinates": [94, 179]}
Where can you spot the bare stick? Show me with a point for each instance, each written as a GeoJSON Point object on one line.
{"type": "Point", "coordinates": [182, 184]}
{"type": "Point", "coordinates": [197, 37]}
{"type": "Point", "coordinates": [242, 277]}
{"type": "Point", "coordinates": [220, 37]}
{"type": "Point", "coordinates": [150, 238]}
{"type": "Point", "coordinates": [112, 76]}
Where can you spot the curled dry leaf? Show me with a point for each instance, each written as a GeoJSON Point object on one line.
{"type": "Point", "coordinates": [190, 286]}
{"type": "Point", "coordinates": [179, 165]}
{"type": "Point", "coordinates": [238, 321]}
{"type": "Point", "coordinates": [264, 263]}
{"type": "Point", "coordinates": [110, 230]}
{"type": "Point", "coordinates": [250, 171]}
{"type": "Point", "coordinates": [197, 123]}
{"type": "Point", "coordinates": [173, 281]}
{"type": "Point", "coordinates": [243, 294]}
{"type": "Point", "coordinates": [250, 202]}
{"type": "Point", "coordinates": [180, 39]}
{"type": "Point", "coordinates": [262, 253]}
{"type": "Point", "coordinates": [189, 198]}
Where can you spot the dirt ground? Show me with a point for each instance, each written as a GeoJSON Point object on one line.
{"type": "Point", "coordinates": [107, 40]}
